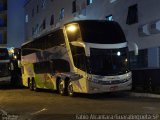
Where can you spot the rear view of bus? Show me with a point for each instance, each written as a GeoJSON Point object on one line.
{"type": "Point", "coordinates": [5, 76]}
{"type": "Point", "coordinates": [100, 56]}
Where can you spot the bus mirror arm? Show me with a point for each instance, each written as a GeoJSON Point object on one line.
{"type": "Point", "coordinates": [135, 47]}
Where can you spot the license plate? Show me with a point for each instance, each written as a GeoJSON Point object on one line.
{"type": "Point", "coordinates": [113, 88]}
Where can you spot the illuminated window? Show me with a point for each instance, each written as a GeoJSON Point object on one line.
{"type": "Point", "coordinates": [26, 19]}
{"type": "Point", "coordinates": [89, 2]}
{"type": "Point", "coordinates": [43, 3]}
{"type": "Point", "coordinates": [62, 14]}
{"type": "Point", "coordinates": [109, 18]}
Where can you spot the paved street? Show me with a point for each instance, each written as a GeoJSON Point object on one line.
{"type": "Point", "coordinates": [48, 105]}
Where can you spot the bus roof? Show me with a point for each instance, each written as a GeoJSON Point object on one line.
{"type": "Point", "coordinates": [76, 21]}
{"type": "Point", "coordinates": [46, 33]}
{"type": "Point", "coordinates": [90, 21]}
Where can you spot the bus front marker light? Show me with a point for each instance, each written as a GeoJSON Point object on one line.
{"type": "Point", "coordinates": [15, 57]}
{"type": "Point", "coordinates": [118, 53]}
{"type": "Point", "coordinates": [71, 28]}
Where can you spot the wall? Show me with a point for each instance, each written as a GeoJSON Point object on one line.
{"type": "Point", "coordinates": [148, 11]}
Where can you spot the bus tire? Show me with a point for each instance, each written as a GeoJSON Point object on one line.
{"type": "Point", "coordinates": [57, 84]}
{"type": "Point", "coordinates": [34, 85]}
{"type": "Point", "coordinates": [70, 91]}
{"type": "Point", "coordinates": [62, 87]}
{"type": "Point", "coordinates": [30, 84]}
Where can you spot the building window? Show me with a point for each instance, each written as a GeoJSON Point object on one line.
{"type": "Point", "coordinates": [37, 29]}
{"type": "Point", "coordinates": [37, 9]}
{"type": "Point", "coordinates": [74, 6]}
{"type": "Point", "coordinates": [43, 3]}
{"type": "Point", "coordinates": [109, 18]}
{"type": "Point", "coordinates": [26, 18]}
{"type": "Point", "coordinates": [52, 20]}
{"type": "Point", "coordinates": [2, 23]}
{"type": "Point", "coordinates": [132, 16]}
{"type": "Point", "coordinates": [33, 12]}
{"type": "Point", "coordinates": [1, 38]}
{"type": "Point", "coordinates": [62, 14]}
{"type": "Point", "coordinates": [44, 24]}
{"type": "Point", "coordinates": [89, 2]}
{"type": "Point", "coordinates": [32, 31]}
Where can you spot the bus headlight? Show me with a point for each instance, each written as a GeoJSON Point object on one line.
{"type": "Point", "coordinates": [15, 57]}
{"type": "Point", "coordinates": [118, 53]}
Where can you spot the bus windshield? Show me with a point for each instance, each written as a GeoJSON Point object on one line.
{"type": "Point", "coordinates": [108, 61]}
{"type": "Point", "coordinates": [4, 54]}
{"type": "Point", "coordinates": [100, 32]}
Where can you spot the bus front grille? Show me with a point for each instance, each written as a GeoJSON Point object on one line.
{"type": "Point", "coordinates": [4, 69]}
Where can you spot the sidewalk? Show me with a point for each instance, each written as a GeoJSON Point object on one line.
{"type": "Point", "coordinates": [146, 95]}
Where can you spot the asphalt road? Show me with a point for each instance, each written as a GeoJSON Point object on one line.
{"type": "Point", "coordinates": [48, 105]}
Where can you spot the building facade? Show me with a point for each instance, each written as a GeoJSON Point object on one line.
{"type": "Point", "coordinates": [139, 19]}
{"type": "Point", "coordinates": [11, 23]}
{"type": "Point", "coordinates": [3, 22]}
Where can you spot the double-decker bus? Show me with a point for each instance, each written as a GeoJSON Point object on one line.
{"type": "Point", "coordinates": [88, 56]}
{"type": "Point", "coordinates": [5, 75]}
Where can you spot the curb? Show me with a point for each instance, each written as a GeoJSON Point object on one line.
{"type": "Point", "coordinates": [146, 95]}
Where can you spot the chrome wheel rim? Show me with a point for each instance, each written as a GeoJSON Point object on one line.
{"type": "Point", "coordinates": [70, 89]}
{"type": "Point", "coordinates": [34, 86]}
{"type": "Point", "coordinates": [61, 87]}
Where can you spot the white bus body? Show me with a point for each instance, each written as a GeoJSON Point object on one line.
{"type": "Point", "coordinates": [89, 56]}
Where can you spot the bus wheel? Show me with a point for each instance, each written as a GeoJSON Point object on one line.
{"type": "Point", "coordinates": [61, 87]}
{"type": "Point", "coordinates": [30, 85]}
{"type": "Point", "coordinates": [34, 86]}
{"type": "Point", "coordinates": [70, 89]}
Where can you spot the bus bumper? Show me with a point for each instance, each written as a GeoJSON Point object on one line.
{"type": "Point", "coordinates": [98, 88]}
{"type": "Point", "coordinates": [5, 80]}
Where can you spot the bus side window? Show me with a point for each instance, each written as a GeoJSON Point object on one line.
{"type": "Point", "coordinates": [79, 57]}
{"type": "Point", "coordinates": [42, 67]}
{"type": "Point", "coordinates": [61, 65]}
